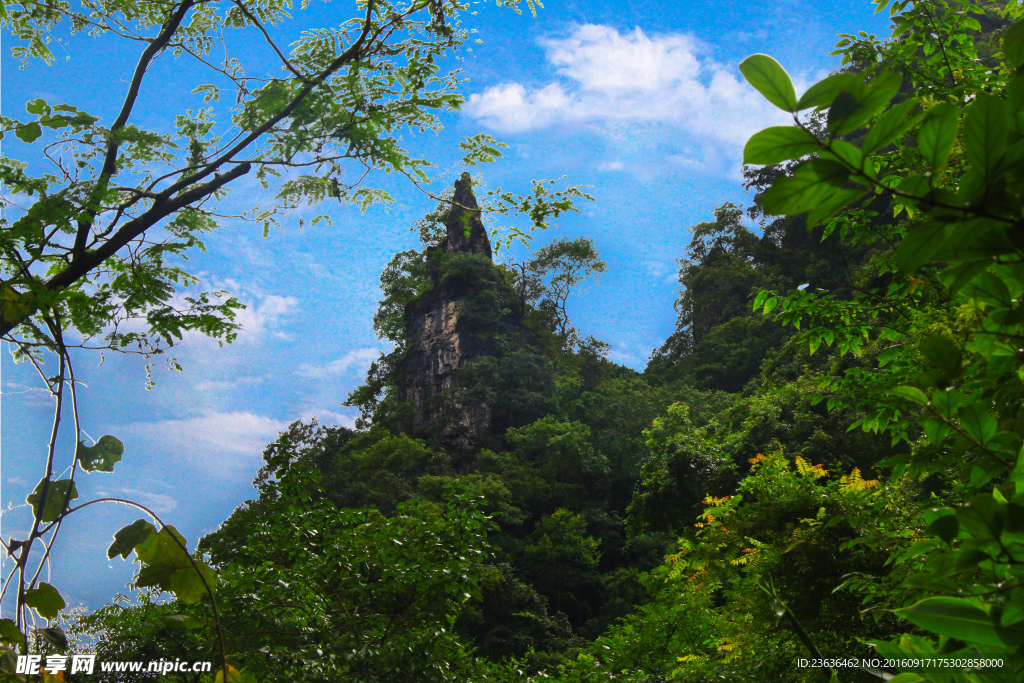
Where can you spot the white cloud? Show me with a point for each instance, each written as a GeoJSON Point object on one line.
{"type": "Point", "coordinates": [357, 361]}
{"type": "Point", "coordinates": [610, 166]}
{"type": "Point", "coordinates": [159, 503]}
{"type": "Point", "coordinates": [609, 78]}
{"type": "Point", "coordinates": [224, 445]}
{"type": "Point", "coordinates": [263, 317]}
{"type": "Point", "coordinates": [330, 417]}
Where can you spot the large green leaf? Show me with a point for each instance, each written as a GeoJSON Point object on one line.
{"type": "Point", "coordinates": [10, 633]}
{"type": "Point", "coordinates": [779, 143]}
{"type": "Point", "coordinates": [891, 126]}
{"type": "Point", "coordinates": [183, 621]}
{"type": "Point", "coordinates": [37, 106]}
{"type": "Point", "coordinates": [101, 456]}
{"type": "Point", "coordinates": [812, 183]}
{"type": "Point", "coordinates": [958, 618]}
{"type": "Point", "coordinates": [911, 394]}
{"type": "Point", "coordinates": [854, 107]}
{"type": "Point", "coordinates": [978, 424]}
{"type": "Point", "coordinates": [167, 566]}
{"type": "Point", "coordinates": [1013, 44]}
{"type": "Point", "coordinates": [163, 547]}
{"type": "Point", "coordinates": [29, 132]}
{"type": "Point", "coordinates": [824, 92]}
{"type": "Point", "coordinates": [187, 585]}
{"type": "Point", "coordinates": [45, 600]}
{"type": "Point", "coordinates": [944, 360]}
{"type": "Point", "coordinates": [985, 128]}
{"type": "Point", "coordinates": [834, 203]}
{"type": "Point", "coordinates": [919, 245]}
{"type": "Point", "coordinates": [945, 527]}
{"type": "Point", "coordinates": [54, 636]}
{"type": "Point", "coordinates": [938, 134]}
{"type": "Point", "coordinates": [130, 536]}
{"type": "Point", "coordinates": [57, 494]}
{"type": "Point", "coordinates": [771, 80]}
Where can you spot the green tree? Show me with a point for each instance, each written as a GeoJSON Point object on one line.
{"type": "Point", "coordinates": [309, 590]}
{"type": "Point", "coordinates": [547, 281]}
{"type": "Point", "coordinates": [942, 317]}
{"type": "Point", "coordinates": [98, 216]}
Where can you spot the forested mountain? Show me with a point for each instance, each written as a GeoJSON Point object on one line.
{"type": "Point", "coordinates": [822, 454]}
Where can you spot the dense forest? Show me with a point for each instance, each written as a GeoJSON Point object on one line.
{"type": "Point", "coordinates": [821, 463]}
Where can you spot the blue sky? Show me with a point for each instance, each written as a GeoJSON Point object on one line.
{"type": "Point", "coordinates": [641, 101]}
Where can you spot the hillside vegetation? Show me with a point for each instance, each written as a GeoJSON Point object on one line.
{"type": "Point", "coordinates": [822, 461]}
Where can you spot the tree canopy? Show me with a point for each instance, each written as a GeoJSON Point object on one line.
{"type": "Point", "coordinates": [822, 463]}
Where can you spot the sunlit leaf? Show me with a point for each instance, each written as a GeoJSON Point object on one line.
{"type": "Point", "coordinates": [101, 456]}
{"type": "Point", "coordinates": [45, 599]}
{"type": "Point", "coordinates": [58, 494]}
{"type": "Point", "coordinates": [771, 80]}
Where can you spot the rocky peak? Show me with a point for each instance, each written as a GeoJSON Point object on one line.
{"type": "Point", "coordinates": [466, 232]}
{"type": "Point", "coordinates": [445, 329]}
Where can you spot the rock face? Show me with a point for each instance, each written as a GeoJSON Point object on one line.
{"type": "Point", "coordinates": [466, 232]}
{"type": "Point", "coordinates": [443, 334]}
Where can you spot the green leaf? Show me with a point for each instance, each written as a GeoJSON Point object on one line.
{"type": "Point", "coordinates": [855, 106]}
{"type": "Point", "coordinates": [945, 526]}
{"type": "Point", "coordinates": [167, 566]}
{"type": "Point", "coordinates": [985, 128]}
{"type": "Point", "coordinates": [908, 677]}
{"type": "Point", "coordinates": [58, 494]}
{"type": "Point", "coordinates": [843, 152]}
{"type": "Point", "coordinates": [54, 636]}
{"type": "Point", "coordinates": [779, 143]}
{"type": "Point", "coordinates": [911, 394]}
{"type": "Point", "coordinates": [10, 633]}
{"type": "Point", "coordinates": [165, 546]}
{"type": "Point", "coordinates": [882, 88]}
{"type": "Point", "coordinates": [760, 298]}
{"type": "Point", "coordinates": [953, 617]}
{"type": "Point", "coordinates": [45, 600]}
{"type": "Point", "coordinates": [183, 621]}
{"type": "Point", "coordinates": [919, 245]}
{"type": "Point", "coordinates": [944, 359]}
{"type": "Point", "coordinates": [233, 676]}
{"type": "Point", "coordinates": [101, 456]}
{"type": "Point", "coordinates": [833, 204]}
{"type": "Point", "coordinates": [812, 183]}
{"type": "Point", "coordinates": [822, 93]}
{"type": "Point", "coordinates": [985, 472]}
{"type": "Point", "coordinates": [948, 403]}
{"type": "Point", "coordinates": [978, 424]}
{"type": "Point", "coordinates": [938, 134]}
{"type": "Point", "coordinates": [771, 80]}
{"type": "Point", "coordinates": [129, 537]}
{"type": "Point", "coordinates": [846, 108]}
{"type": "Point", "coordinates": [891, 126]}
{"type": "Point", "coordinates": [1013, 44]}
{"type": "Point", "coordinates": [955, 277]}
{"type": "Point", "coordinates": [1012, 614]}
{"type": "Point", "coordinates": [29, 132]}
{"type": "Point", "coordinates": [188, 586]}
{"type": "Point", "coordinates": [37, 107]}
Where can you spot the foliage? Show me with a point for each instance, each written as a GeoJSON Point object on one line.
{"type": "Point", "coordinates": [326, 593]}
{"type": "Point", "coordinates": [948, 311]}
{"type": "Point", "coordinates": [98, 216]}
{"type": "Point", "coordinates": [847, 458]}
{"type": "Point", "coordinates": [547, 280]}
